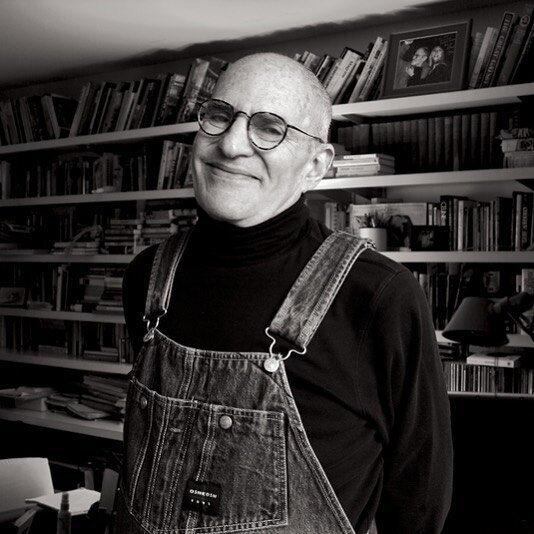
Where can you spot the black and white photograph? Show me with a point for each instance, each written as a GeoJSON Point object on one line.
{"type": "Point", "coordinates": [266, 267]}
{"type": "Point", "coordinates": [427, 60]}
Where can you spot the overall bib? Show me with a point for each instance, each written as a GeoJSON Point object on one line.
{"type": "Point", "coordinates": [214, 442]}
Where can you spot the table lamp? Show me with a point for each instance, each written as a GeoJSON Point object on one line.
{"type": "Point", "coordinates": [481, 321]}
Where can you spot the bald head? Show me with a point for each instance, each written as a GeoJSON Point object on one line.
{"type": "Point", "coordinates": [292, 81]}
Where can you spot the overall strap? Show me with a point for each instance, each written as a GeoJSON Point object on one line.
{"type": "Point", "coordinates": [312, 294]}
{"type": "Point", "coordinates": [168, 255]}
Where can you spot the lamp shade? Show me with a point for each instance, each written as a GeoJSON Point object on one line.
{"type": "Point", "coordinates": [475, 324]}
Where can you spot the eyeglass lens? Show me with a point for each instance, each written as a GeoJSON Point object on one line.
{"type": "Point", "coordinates": [265, 129]}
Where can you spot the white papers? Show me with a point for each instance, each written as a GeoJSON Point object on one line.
{"type": "Point", "coordinates": [21, 478]}
{"type": "Point", "coordinates": [80, 500]}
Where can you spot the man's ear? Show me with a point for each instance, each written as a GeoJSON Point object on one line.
{"type": "Point", "coordinates": [318, 166]}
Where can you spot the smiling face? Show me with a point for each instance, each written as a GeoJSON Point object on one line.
{"type": "Point", "coordinates": [238, 183]}
{"type": "Point", "coordinates": [437, 54]}
{"type": "Point", "coordinates": [420, 56]}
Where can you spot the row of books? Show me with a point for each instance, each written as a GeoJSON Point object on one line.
{"type": "Point", "coordinates": [35, 118]}
{"type": "Point", "coordinates": [454, 223]}
{"type": "Point", "coordinates": [466, 377]}
{"type": "Point", "coordinates": [431, 143]}
{"type": "Point", "coordinates": [167, 98]}
{"type": "Point", "coordinates": [353, 76]}
{"type": "Point", "coordinates": [160, 166]}
{"type": "Point", "coordinates": [67, 339]}
{"type": "Point", "coordinates": [503, 54]}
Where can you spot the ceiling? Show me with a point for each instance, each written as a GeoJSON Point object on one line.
{"type": "Point", "coordinates": [43, 40]}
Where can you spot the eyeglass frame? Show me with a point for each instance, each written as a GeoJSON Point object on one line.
{"type": "Point", "coordinates": [249, 117]}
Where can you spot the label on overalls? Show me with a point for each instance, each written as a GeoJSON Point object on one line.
{"type": "Point", "coordinates": [203, 497]}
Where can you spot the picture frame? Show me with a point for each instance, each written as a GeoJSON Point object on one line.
{"type": "Point", "coordinates": [427, 60]}
{"type": "Point", "coordinates": [429, 237]}
{"type": "Point", "coordinates": [14, 297]}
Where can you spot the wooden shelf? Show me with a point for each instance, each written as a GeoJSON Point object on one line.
{"type": "Point", "coordinates": [53, 360]}
{"type": "Point", "coordinates": [514, 340]}
{"type": "Point", "coordinates": [401, 257]}
{"type": "Point", "coordinates": [473, 394]}
{"type": "Point", "coordinates": [127, 136]}
{"type": "Point", "coordinates": [98, 198]}
{"type": "Point", "coordinates": [468, 99]}
{"type": "Point", "coordinates": [63, 315]}
{"type": "Point", "coordinates": [59, 421]}
{"type": "Point", "coordinates": [328, 184]}
{"type": "Point", "coordinates": [461, 257]}
{"type": "Point", "coordinates": [427, 178]}
{"type": "Point", "coordinates": [14, 257]}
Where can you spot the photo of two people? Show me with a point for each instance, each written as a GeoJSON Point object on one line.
{"type": "Point", "coordinates": [425, 60]}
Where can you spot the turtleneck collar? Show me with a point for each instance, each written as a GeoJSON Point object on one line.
{"type": "Point", "coordinates": [224, 244]}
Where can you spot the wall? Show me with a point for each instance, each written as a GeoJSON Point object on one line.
{"type": "Point", "coordinates": [356, 35]}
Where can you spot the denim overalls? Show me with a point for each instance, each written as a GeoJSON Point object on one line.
{"type": "Point", "coordinates": [213, 440]}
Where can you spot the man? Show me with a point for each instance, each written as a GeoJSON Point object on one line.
{"type": "Point", "coordinates": [287, 378]}
{"type": "Point", "coordinates": [419, 67]}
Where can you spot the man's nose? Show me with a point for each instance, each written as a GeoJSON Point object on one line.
{"type": "Point", "coordinates": [235, 141]}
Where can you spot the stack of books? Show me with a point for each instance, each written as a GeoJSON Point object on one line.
{"type": "Point", "coordinates": [348, 165]}
{"type": "Point", "coordinates": [121, 235]}
{"type": "Point", "coordinates": [26, 397]}
{"type": "Point", "coordinates": [503, 54]}
{"type": "Point", "coordinates": [353, 76]}
{"type": "Point", "coordinates": [84, 248]}
{"type": "Point", "coordinates": [517, 145]}
{"type": "Point", "coordinates": [105, 393]}
{"type": "Point", "coordinates": [91, 288]}
{"type": "Point", "coordinates": [111, 299]}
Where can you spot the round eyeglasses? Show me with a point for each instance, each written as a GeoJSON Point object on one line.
{"type": "Point", "coordinates": [265, 130]}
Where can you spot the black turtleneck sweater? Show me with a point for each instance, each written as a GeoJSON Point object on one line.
{"type": "Point", "coordinates": [370, 388]}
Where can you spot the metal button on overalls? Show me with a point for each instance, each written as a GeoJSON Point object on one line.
{"type": "Point", "coordinates": [225, 422]}
{"type": "Point", "coordinates": [143, 403]}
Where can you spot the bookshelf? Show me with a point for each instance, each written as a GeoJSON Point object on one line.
{"type": "Point", "coordinates": [52, 360]}
{"type": "Point", "coordinates": [343, 114]}
{"type": "Point", "coordinates": [63, 315]}
{"type": "Point", "coordinates": [128, 136]}
{"type": "Point", "coordinates": [411, 105]}
{"type": "Point", "coordinates": [14, 257]}
{"type": "Point", "coordinates": [58, 421]}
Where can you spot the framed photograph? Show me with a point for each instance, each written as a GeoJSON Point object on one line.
{"type": "Point", "coordinates": [427, 237]}
{"type": "Point", "coordinates": [429, 60]}
{"type": "Point", "coordinates": [13, 296]}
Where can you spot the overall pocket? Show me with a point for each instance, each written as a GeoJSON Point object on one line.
{"type": "Point", "coordinates": [192, 464]}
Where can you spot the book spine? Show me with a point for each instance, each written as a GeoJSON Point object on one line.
{"type": "Point", "coordinates": [508, 22]}
{"type": "Point", "coordinates": [374, 74]}
{"type": "Point", "coordinates": [343, 72]}
{"type": "Point", "coordinates": [490, 37]}
{"type": "Point", "coordinates": [523, 68]}
{"type": "Point", "coordinates": [465, 133]}
{"type": "Point", "coordinates": [513, 51]}
{"type": "Point", "coordinates": [369, 63]}
{"type": "Point", "coordinates": [422, 129]}
{"type": "Point", "coordinates": [474, 141]}
{"type": "Point", "coordinates": [456, 142]}
{"type": "Point", "coordinates": [473, 55]}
